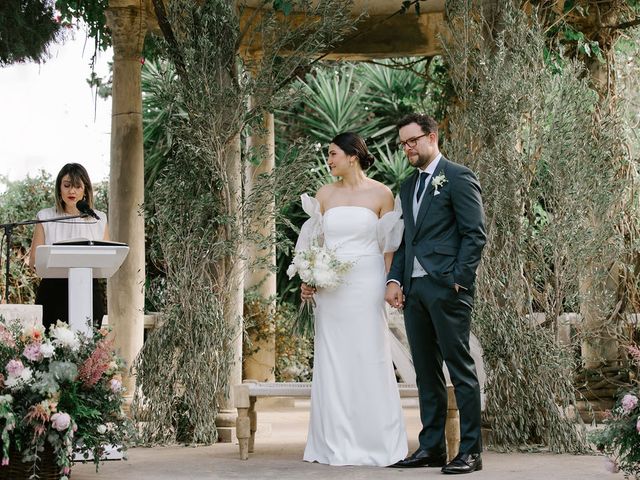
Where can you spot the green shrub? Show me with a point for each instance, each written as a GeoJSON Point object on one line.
{"type": "Point", "coordinates": [21, 200]}
{"type": "Point", "coordinates": [294, 353]}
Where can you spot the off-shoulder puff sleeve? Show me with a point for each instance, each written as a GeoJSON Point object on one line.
{"type": "Point", "coordinates": [391, 228]}
{"type": "Point", "coordinates": [311, 230]}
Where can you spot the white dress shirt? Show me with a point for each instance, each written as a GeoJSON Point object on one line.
{"type": "Point", "coordinates": [418, 271]}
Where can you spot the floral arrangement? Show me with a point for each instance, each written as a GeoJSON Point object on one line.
{"type": "Point", "coordinates": [318, 267]}
{"type": "Point", "coordinates": [64, 390]}
{"type": "Point", "coordinates": [620, 438]}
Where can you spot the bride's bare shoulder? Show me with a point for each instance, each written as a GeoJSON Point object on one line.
{"type": "Point", "coordinates": [324, 193]}
{"type": "Point", "coordinates": [383, 197]}
{"type": "Point", "coordinates": [381, 189]}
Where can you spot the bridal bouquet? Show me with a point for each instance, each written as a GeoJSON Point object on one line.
{"type": "Point", "coordinates": [318, 267]}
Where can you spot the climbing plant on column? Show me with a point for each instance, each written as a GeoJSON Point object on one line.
{"type": "Point", "coordinates": [199, 213]}
{"type": "Point", "coordinates": [545, 165]}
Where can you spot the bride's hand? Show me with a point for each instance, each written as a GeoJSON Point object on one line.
{"type": "Point", "coordinates": [306, 292]}
{"type": "Point", "coordinates": [394, 295]}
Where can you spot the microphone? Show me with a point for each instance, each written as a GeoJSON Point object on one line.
{"type": "Point", "coordinates": [84, 207]}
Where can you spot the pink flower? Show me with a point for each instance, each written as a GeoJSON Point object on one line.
{"type": "Point", "coordinates": [32, 352]}
{"type": "Point", "coordinates": [629, 402]}
{"type": "Point", "coordinates": [60, 421]}
{"type": "Point", "coordinates": [635, 353]}
{"type": "Point", "coordinates": [97, 364]}
{"type": "Point", "coordinates": [638, 425]}
{"type": "Point", "coordinates": [6, 336]}
{"type": "Point", "coordinates": [33, 332]}
{"type": "Point", "coordinates": [610, 465]}
{"type": "Point", "coordinates": [15, 368]}
{"type": "Point", "coordinates": [5, 462]}
{"type": "Point", "coordinates": [115, 385]}
{"type": "Point", "coordinates": [66, 470]}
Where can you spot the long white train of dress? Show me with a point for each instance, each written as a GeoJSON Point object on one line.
{"type": "Point", "coordinates": [356, 416]}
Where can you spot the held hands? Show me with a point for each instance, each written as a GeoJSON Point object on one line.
{"type": "Point", "coordinates": [306, 292]}
{"type": "Point", "coordinates": [394, 296]}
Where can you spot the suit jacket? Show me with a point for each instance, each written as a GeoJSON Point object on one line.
{"type": "Point", "coordinates": [448, 235]}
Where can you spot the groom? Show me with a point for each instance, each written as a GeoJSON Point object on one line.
{"type": "Point", "coordinates": [432, 278]}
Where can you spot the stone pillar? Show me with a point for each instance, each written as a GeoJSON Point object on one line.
{"type": "Point", "coordinates": [226, 419]}
{"type": "Point", "coordinates": [261, 365]}
{"type": "Point", "coordinates": [565, 322]}
{"type": "Point", "coordinates": [599, 286]}
{"type": "Point", "coordinates": [125, 289]}
{"type": "Point", "coordinates": [599, 346]}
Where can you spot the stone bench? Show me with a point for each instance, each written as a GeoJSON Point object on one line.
{"type": "Point", "coordinates": [27, 314]}
{"type": "Point", "coordinates": [245, 397]}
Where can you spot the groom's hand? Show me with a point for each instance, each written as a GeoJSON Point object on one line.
{"type": "Point", "coordinates": [306, 292]}
{"type": "Point", "coordinates": [394, 296]}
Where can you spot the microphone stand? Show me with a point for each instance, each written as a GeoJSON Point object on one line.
{"type": "Point", "coordinates": [8, 231]}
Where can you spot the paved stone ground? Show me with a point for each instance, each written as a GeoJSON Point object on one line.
{"type": "Point", "coordinates": [280, 445]}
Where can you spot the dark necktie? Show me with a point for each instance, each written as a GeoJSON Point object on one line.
{"type": "Point", "coordinates": [422, 183]}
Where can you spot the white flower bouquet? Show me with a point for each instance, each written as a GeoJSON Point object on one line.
{"type": "Point", "coordinates": [318, 267]}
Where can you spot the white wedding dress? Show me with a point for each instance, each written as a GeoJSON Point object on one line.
{"type": "Point", "coordinates": [356, 416]}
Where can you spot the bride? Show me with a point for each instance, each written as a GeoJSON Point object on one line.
{"type": "Point", "coordinates": [356, 417]}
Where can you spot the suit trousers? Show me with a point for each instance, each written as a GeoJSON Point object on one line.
{"type": "Point", "coordinates": [437, 321]}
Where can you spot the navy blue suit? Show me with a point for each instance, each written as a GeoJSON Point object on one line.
{"type": "Point", "coordinates": [447, 238]}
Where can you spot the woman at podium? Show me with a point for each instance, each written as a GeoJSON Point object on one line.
{"type": "Point", "coordinates": [72, 186]}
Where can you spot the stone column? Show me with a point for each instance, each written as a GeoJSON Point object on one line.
{"type": "Point", "coordinates": [599, 285]}
{"type": "Point", "coordinates": [226, 419]}
{"type": "Point", "coordinates": [127, 22]}
{"type": "Point", "coordinates": [599, 346]}
{"type": "Point", "coordinates": [261, 365]}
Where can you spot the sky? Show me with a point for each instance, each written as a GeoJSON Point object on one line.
{"type": "Point", "coordinates": [49, 115]}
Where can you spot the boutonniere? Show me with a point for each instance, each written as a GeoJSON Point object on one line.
{"type": "Point", "coordinates": [438, 182]}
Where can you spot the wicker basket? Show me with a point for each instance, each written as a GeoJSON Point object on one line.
{"type": "Point", "coordinates": [46, 467]}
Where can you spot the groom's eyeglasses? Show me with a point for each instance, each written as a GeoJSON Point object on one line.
{"type": "Point", "coordinates": [412, 142]}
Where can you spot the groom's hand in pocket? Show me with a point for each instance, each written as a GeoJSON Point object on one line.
{"type": "Point", "coordinates": [394, 295]}
{"type": "Point", "coordinates": [306, 292]}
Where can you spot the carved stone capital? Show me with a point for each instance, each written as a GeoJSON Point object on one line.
{"type": "Point", "coordinates": [128, 27]}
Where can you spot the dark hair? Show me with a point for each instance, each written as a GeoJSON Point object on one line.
{"type": "Point", "coordinates": [79, 176]}
{"type": "Point", "coordinates": [353, 144]}
{"type": "Point", "coordinates": [427, 123]}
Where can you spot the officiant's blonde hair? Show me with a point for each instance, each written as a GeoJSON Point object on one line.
{"type": "Point", "coordinates": [79, 176]}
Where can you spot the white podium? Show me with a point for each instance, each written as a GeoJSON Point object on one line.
{"type": "Point", "coordinates": [80, 263]}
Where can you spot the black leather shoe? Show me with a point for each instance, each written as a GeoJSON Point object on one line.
{"type": "Point", "coordinates": [422, 458]}
{"type": "Point", "coordinates": [464, 463]}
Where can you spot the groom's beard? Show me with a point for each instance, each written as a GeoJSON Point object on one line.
{"type": "Point", "coordinates": [419, 161]}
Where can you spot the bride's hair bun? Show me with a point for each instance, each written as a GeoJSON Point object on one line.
{"type": "Point", "coordinates": [366, 161]}
{"type": "Point", "coordinates": [353, 144]}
